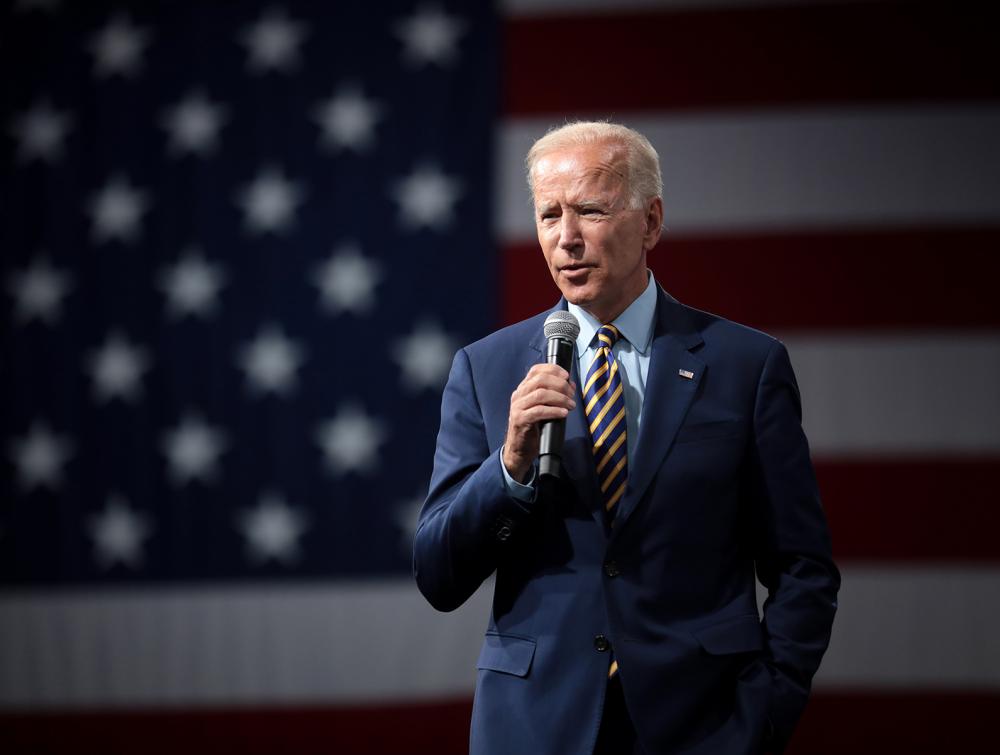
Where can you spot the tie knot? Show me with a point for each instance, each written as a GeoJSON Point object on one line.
{"type": "Point", "coordinates": [608, 335]}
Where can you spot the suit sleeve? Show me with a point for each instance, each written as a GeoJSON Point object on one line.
{"type": "Point", "coordinates": [469, 517]}
{"type": "Point", "coordinates": [793, 553]}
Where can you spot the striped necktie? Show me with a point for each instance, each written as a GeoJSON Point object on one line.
{"type": "Point", "coordinates": [604, 402]}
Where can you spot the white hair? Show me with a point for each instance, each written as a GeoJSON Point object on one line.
{"type": "Point", "coordinates": [642, 164]}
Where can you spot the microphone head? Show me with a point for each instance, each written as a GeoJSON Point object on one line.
{"type": "Point", "coordinates": [562, 324]}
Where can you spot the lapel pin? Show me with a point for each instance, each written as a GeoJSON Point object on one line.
{"type": "Point", "coordinates": [685, 374]}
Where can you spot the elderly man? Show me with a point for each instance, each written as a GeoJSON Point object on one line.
{"type": "Point", "coordinates": [624, 613]}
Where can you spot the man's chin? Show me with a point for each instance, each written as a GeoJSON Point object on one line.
{"type": "Point", "coordinates": [580, 295]}
{"type": "Point", "coordinates": [578, 299]}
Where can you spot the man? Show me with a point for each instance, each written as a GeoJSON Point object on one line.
{"type": "Point", "coordinates": [624, 613]}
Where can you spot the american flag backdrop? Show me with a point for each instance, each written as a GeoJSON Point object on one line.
{"type": "Point", "coordinates": [240, 243]}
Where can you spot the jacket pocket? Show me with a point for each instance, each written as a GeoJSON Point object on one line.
{"type": "Point", "coordinates": [701, 431]}
{"type": "Point", "coordinates": [507, 654]}
{"type": "Point", "coordinates": [740, 634]}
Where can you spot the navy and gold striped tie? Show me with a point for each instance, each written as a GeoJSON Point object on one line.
{"type": "Point", "coordinates": [604, 404]}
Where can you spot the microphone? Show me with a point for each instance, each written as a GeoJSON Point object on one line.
{"type": "Point", "coordinates": [561, 328]}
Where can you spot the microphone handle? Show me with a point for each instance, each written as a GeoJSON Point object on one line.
{"type": "Point", "coordinates": [559, 351]}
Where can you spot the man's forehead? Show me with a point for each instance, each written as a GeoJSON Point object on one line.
{"type": "Point", "coordinates": [579, 171]}
{"type": "Point", "coordinates": [584, 161]}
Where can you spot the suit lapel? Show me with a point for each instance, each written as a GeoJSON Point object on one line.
{"type": "Point", "coordinates": [667, 397]}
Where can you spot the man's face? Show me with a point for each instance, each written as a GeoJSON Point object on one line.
{"type": "Point", "coordinates": [594, 244]}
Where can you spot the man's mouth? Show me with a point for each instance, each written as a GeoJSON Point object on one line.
{"type": "Point", "coordinates": [576, 273]}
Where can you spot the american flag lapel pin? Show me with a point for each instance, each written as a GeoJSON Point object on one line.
{"type": "Point", "coordinates": [685, 374]}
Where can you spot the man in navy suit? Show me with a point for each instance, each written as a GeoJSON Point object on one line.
{"type": "Point", "coordinates": [624, 612]}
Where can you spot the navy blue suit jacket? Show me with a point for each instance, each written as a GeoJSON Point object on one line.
{"type": "Point", "coordinates": [721, 488]}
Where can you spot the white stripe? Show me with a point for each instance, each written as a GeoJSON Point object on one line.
{"type": "Point", "coordinates": [268, 644]}
{"type": "Point", "coordinates": [916, 627]}
{"type": "Point", "coordinates": [785, 169]}
{"type": "Point", "coordinates": [381, 642]}
{"type": "Point", "coordinates": [921, 393]}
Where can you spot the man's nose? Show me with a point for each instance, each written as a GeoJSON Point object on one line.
{"type": "Point", "coordinates": [569, 231]}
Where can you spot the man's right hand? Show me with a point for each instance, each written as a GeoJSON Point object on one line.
{"type": "Point", "coordinates": [545, 393]}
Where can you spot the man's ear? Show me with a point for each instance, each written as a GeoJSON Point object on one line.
{"type": "Point", "coordinates": [654, 223]}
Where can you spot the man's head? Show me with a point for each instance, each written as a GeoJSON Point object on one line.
{"type": "Point", "coordinates": [598, 211]}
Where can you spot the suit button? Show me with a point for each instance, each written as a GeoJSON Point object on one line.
{"type": "Point", "coordinates": [601, 643]}
{"type": "Point", "coordinates": [503, 528]}
{"type": "Point", "coordinates": [611, 569]}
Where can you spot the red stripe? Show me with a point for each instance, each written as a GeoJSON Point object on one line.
{"type": "Point", "coordinates": [934, 278]}
{"type": "Point", "coordinates": [420, 728]}
{"type": "Point", "coordinates": [855, 52]}
{"type": "Point", "coordinates": [897, 722]}
{"type": "Point", "coordinates": [912, 510]}
{"type": "Point", "coordinates": [854, 722]}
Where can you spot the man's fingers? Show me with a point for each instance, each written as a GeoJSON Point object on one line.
{"type": "Point", "coordinates": [551, 383]}
{"type": "Point", "coordinates": [548, 369]}
{"type": "Point", "coordinates": [539, 413]}
{"type": "Point", "coordinates": [546, 397]}
{"type": "Point", "coordinates": [547, 373]}
{"type": "Point", "coordinates": [546, 393]}
{"type": "Point", "coordinates": [548, 380]}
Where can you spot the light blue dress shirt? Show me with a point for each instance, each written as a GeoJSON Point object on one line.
{"type": "Point", "coordinates": [632, 351]}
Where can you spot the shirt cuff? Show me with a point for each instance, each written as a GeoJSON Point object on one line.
{"type": "Point", "coordinates": [524, 492]}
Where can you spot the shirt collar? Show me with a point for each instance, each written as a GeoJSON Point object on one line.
{"type": "Point", "coordinates": [635, 323]}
